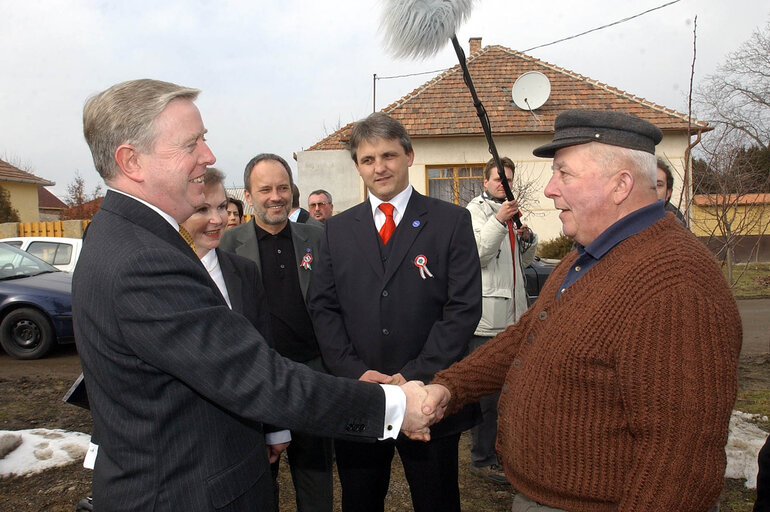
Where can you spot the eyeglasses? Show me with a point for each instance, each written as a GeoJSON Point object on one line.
{"type": "Point", "coordinates": [313, 206]}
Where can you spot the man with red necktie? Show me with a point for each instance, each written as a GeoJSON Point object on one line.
{"type": "Point", "coordinates": [401, 305]}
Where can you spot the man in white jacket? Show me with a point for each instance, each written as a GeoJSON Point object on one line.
{"type": "Point", "coordinates": [504, 296]}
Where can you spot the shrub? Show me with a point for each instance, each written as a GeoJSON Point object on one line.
{"type": "Point", "coordinates": [555, 249]}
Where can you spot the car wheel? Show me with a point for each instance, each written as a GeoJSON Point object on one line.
{"type": "Point", "coordinates": [26, 333]}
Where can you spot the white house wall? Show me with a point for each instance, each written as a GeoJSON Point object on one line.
{"type": "Point", "coordinates": [334, 171]}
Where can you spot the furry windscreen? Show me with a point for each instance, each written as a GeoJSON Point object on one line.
{"type": "Point", "coordinates": [420, 28]}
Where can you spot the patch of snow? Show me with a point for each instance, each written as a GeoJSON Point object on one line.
{"type": "Point", "coordinates": [23, 452]}
{"type": "Point", "coordinates": [743, 444]}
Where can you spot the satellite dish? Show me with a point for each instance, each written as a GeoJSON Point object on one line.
{"type": "Point", "coordinates": [531, 90]}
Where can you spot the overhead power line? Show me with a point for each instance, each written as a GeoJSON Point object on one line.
{"type": "Point", "coordinates": [618, 22]}
{"type": "Point", "coordinates": [602, 27]}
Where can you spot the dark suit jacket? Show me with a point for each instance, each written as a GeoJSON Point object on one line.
{"type": "Point", "coordinates": [179, 384]}
{"type": "Point", "coordinates": [244, 287]}
{"type": "Point", "coordinates": [385, 316]}
{"type": "Point", "coordinates": [306, 238]}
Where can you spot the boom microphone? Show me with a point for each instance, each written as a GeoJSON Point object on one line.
{"type": "Point", "coordinates": [420, 28]}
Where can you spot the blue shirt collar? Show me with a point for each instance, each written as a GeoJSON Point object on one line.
{"type": "Point", "coordinates": [624, 228]}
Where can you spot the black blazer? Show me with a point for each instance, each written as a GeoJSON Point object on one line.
{"type": "Point", "coordinates": [389, 316]}
{"type": "Point", "coordinates": [244, 287]}
{"type": "Point", "coordinates": [179, 384]}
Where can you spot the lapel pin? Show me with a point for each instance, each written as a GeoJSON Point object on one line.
{"type": "Point", "coordinates": [421, 262]}
{"type": "Point", "coordinates": [307, 259]}
{"type": "Point", "coordinates": [416, 224]}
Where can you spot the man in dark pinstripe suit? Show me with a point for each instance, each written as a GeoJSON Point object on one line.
{"type": "Point", "coordinates": [176, 410]}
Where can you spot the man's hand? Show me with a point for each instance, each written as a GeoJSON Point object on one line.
{"type": "Point", "coordinates": [436, 401]}
{"type": "Point", "coordinates": [377, 377]}
{"type": "Point", "coordinates": [275, 450]}
{"type": "Point", "coordinates": [523, 233]}
{"type": "Point", "coordinates": [507, 210]}
{"type": "Point", "coordinates": [416, 424]}
{"type": "Point", "coordinates": [398, 380]}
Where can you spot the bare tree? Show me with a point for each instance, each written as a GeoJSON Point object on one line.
{"type": "Point", "coordinates": [737, 96]}
{"type": "Point", "coordinates": [731, 185]}
{"type": "Point", "coordinates": [80, 204]}
{"type": "Point", "coordinates": [730, 167]}
{"type": "Point", "coordinates": [524, 188]}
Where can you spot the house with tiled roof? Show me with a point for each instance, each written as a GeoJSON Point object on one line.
{"type": "Point", "coordinates": [23, 189]}
{"type": "Point", "coordinates": [49, 206]}
{"type": "Point", "coordinates": [449, 144]}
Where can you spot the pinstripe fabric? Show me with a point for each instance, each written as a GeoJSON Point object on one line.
{"type": "Point", "coordinates": [179, 384]}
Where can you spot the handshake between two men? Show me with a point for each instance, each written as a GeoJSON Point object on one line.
{"type": "Point", "coordinates": [425, 405]}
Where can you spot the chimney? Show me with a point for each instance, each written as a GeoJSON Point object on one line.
{"type": "Point", "coordinates": [475, 43]}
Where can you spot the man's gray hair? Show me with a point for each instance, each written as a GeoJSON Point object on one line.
{"type": "Point", "coordinates": [378, 126]}
{"type": "Point", "coordinates": [125, 114]}
{"type": "Point", "coordinates": [641, 163]}
{"type": "Point", "coordinates": [322, 191]}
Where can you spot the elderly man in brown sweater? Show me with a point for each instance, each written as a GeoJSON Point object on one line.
{"type": "Point", "coordinates": [617, 384]}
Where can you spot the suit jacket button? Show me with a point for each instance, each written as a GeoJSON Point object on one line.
{"type": "Point", "coordinates": [385, 332]}
{"type": "Point", "coordinates": [543, 315]}
{"type": "Point", "coordinates": [384, 293]}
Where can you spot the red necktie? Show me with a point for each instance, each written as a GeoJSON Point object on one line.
{"type": "Point", "coordinates": [389, 227]}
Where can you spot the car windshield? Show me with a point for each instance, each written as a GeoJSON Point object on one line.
{"type": "Point", "coordinates": [15, 263]}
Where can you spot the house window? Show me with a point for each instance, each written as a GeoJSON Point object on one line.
{"type": "Point", "coordinates": [457, 185]}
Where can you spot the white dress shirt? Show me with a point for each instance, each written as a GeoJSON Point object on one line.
{"type": "Point", "coordinates": [399, 203]}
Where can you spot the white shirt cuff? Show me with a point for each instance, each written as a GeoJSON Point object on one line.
{"type": "Point", "coordinates": [279, 437]}
{"type": "Point", "coordinates": [395, 409]}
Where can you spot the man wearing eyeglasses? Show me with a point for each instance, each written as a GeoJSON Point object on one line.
{"type": "Point", "coordinates": [319, 202]}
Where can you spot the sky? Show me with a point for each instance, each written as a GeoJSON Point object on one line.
{"type": "Point", "coordinates": [39, 449]}
{"type": "Point", "coordinates": [278, 76]}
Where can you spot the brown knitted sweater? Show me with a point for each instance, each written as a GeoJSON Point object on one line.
{"type": "Point", "coordinates": [617, 395]}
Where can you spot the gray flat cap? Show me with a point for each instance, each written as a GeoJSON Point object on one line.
{"type": "Point", "coordinates": [573, 127]}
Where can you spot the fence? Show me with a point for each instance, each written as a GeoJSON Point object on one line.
{"type": "Point", "coordinates": [58, 228]}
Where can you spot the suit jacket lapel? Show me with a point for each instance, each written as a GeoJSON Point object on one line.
{"type": "Point", "coordinates": [249, 246]}
{"type": "Point", "coordinates": [301, 247]}
{"type": "Point", "coordinates": [412, 222]}
{"type": "Point", "coordinates": [232, 282]}
{"type": "Point", "coordinates": [137, 213]}
{"type": "Point", "coordinates": [365, 234]}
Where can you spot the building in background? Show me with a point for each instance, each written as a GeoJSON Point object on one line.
{"type": "Point", "coordinates": [449, 144]}
{"type": "Point", "coordinates": [23, 189]}
{"type": "Point", "coordinates": [49, 206]}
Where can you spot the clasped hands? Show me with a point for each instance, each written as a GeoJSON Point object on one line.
{"type": "Point", "coordinates": [425, 405]}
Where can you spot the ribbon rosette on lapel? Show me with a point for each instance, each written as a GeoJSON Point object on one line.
{"type": "Point", "coordinates": [421, 262]}
{"type": "Point", "coordinates": [307, 259]}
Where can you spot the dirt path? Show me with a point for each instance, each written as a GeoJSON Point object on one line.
{"type": "Point", "coordinates": [31, 394]}
{"type": "Point", "coordinates": [755, 314]}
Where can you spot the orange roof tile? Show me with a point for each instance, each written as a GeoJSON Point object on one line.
{"type": "Point", "coordinates": [442, 107]}
{"type": "Point", "coordinates": [9, 172]}
{"type": "Point", "coordinates": [45, 199]}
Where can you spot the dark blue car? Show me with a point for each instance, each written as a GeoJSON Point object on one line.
{"type": "Point", "coordinates": [35, 304]}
